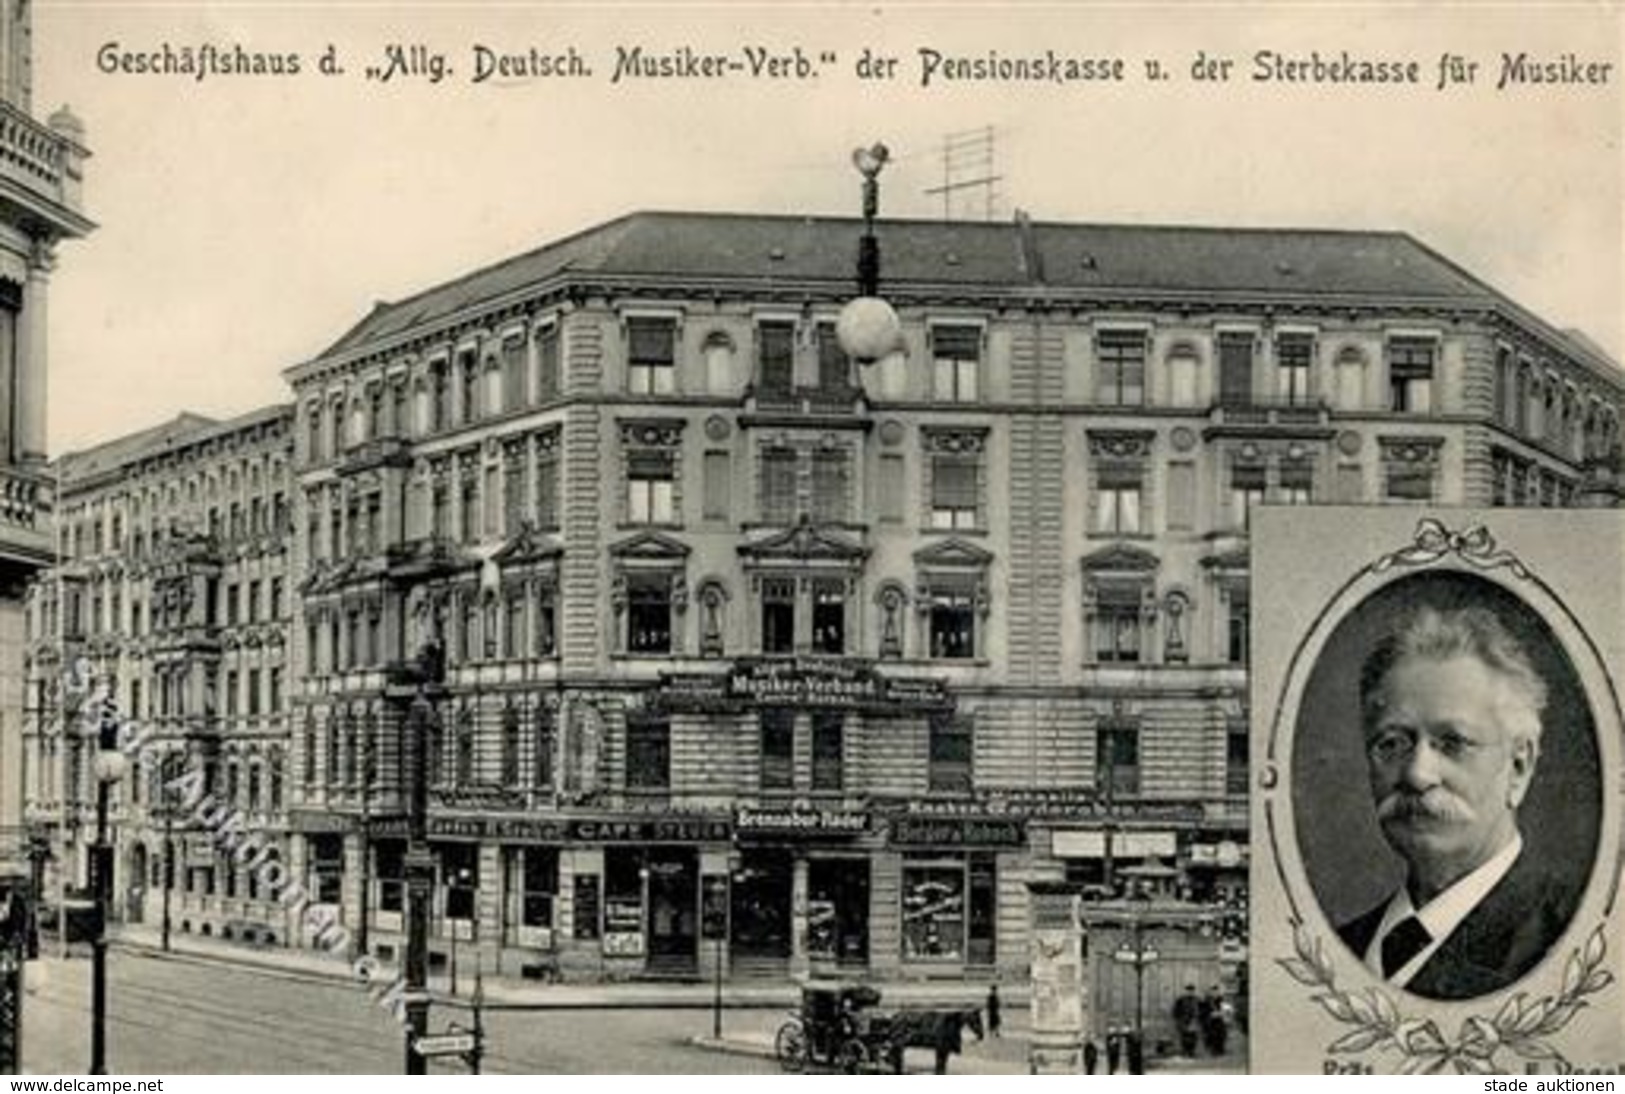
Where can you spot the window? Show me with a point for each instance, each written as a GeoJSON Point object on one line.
{"type": "Point", "coordinates": [1297, 482]}
{"type": "Point", "coordinates": [834, 367]}
{"type": "Point", "coordinates": [775, 365]}
{"type": "Point", "coordinates": [951, 749]}
{"type": "Point", "coordinates": [778, 615]}
{"type": "Point", "coordinates": [254, 692]}
{"type": "Point", "coordinates": [460, 873]}
{"type": "Point", "coordinates": [1117, 760]}
{"type": "Point", "coordinates": [468, 511]}
{"type": "Point", "coordinates": [1183, 365]}
{"type": "Point", "coordinates": [513, 489]}
{"type": "Point", "coordinates": [468, 378]}
{"type": "Point", "coordinates": [1293, 354]}
{"type": "Point", "coordinates": [956, 355]}
{"type": "Point", "coordinates": [829, 617]}
{"type": "Point", "coordinates": [510, 747]}
{"type": "Point", "coordinates": [547, 479]}
{"type": "Point", "coordinates": [651, 356]}
{"type": "Point", "coordinates": [547, 362]}
{"type": "Point", "coordinates": [955, 490]}
{"type": "Point", "coordinates": [440, 395]}
{"type": "Point", "coordinates": [648, 753]}
{"type": "Point", "coordinates": [541, 772]}
{"type": "Point", "coordinates": [1410, 375]}
{"type": "Point", "coordinates": [1120, 368]}
{"type": "Point", "coordinates": [1117, 624]}
{"type": "Point", "coordinates": [952, 621]}
{"type": "Point", "coordinates": [1117, 499]}
{"type": "Point", "coordinates": [778, 728]}
{"type": "Point", "coordinates": [513, 372]}
{"type": "Point", "coordinates": [778, 489]}
{"type": "Point", "coordinates": [718, 474]}
{"type": "Point", "coordinates": [1236, 367]}
{"type": "Point", "coordinates": [231, 691]}
{"type": "Point", "coordinates": [546, 620]}
{"type": "Point", "coordinates": [513, 624]}
{"type": "Point", "coordinates": [1247, 483]}
{"type": "Point", "coordinates": [829, 486]}
{"type": "Point", "coordinates": [1238, 636]}
{"type": "Point", "coordinates": [389, 864]}
{"type": "Point", "coordinates": [1408, 482]}
{"type": "Point", "coordinates": [828, 751]}
{"type": "Point", "coordinates": [649, 478]}
{"type": "Point", "coordinates": [463, 745]}
{"type": "Point", "coordinates": [648, 613]}
{"type": "Point", "coordinates": [327, 868]}
{"type": "Point", "coordinates": [440, 511]}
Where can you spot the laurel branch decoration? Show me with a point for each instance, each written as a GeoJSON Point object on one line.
{"type": "Point", "coordinates": [1522, 1026]}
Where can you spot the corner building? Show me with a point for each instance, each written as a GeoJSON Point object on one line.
{"type": "Point", "coordinates": [744, 643]}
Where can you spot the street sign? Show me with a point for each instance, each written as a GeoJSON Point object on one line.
{"type": "Point", "coordinates": [445, 1044]}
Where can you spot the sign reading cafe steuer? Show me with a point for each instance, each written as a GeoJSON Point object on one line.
{"type": "Point", "coordinates": [1437, 791]}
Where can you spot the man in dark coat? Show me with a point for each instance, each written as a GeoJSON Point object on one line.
{"type": "Point", "coordinates": [1452, 711]}
{"type": "Point", "coordinates": [1187, 1019]}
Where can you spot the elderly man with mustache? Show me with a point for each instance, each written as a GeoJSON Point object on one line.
{"type": "Point", "coordinates": [1452, 712]}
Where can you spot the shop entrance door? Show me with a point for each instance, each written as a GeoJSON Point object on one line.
{"type": "Point", "coordinates": [838, 911]}
{"type": "Point", "coordinates": [761, 912]}
{"type": "Point", "coordinates": [673, 925]}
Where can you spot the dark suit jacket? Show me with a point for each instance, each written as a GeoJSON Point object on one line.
{"type": "Point", "coordinates": [1509, 932]}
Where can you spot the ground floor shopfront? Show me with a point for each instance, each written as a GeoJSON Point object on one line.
{"type": "Point", "coordinates": [891, 892]}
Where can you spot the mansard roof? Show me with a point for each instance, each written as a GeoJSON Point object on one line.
{"type": "Point", "coordinates": [716, 252]}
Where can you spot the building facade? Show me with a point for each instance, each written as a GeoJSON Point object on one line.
{"type": "Point", "coordinates": [171, 600]}
{"type": "Point", "coordinates": [755, 656]}
{"type": "Point", "coordinates": [41, 175]}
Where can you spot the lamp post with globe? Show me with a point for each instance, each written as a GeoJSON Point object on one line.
{"type": "Point", "coordinates": [110, 768]}
{"type": "Point", "coordinates": [868, 328]}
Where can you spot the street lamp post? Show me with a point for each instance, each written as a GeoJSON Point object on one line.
{"type": "Point", "coordinates": [169, 869]}
{"type": "Point", "coordinates": [427, 675]}
{"type": "Point", "coordinates": [109, 770]}
{"type": "Point", "coordinates": [868, 328]}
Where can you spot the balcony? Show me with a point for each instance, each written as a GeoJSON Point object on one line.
{"type": "Point", "coordinates": [43, 165]}
{"type": "Point", "coordinates": [381, 451]}
{"type": "Point", "coordinates": [804, 405]}
{"type": "Point", "coordinates": [25, 516]}
{"type": "Point", "coordinates": [1261, 416]}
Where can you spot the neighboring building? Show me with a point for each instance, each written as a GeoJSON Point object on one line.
{"type": "Point", "coordinates": [838, 664]}
{"type": "Point", "coordinates": [40, 178]}
{"type": "Point", "coordinates": [174, 595]}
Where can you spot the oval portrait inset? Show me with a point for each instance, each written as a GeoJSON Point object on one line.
{"type": "Point", "coordinates": [1446, 785]}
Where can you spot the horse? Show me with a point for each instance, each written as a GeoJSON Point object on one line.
{"type": "Point", "coordinates": [938, 1030]}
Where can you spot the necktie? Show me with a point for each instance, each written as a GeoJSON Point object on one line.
{"type": "Point", "coordinates": [1405, 941]}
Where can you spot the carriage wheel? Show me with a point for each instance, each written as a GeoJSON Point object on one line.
{"type": "Point", "coordinates": [790, 1046]}
{"type": "Point", "coordinates": [851, 1056]}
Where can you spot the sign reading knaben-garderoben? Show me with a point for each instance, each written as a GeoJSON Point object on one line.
{"type": "Point", "coordinates": [1436, 808]}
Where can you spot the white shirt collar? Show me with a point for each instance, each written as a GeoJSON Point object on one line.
{"type": "Point", "coordinates": [1441, 915]}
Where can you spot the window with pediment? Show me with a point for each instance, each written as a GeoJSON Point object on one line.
{"type": "Point", "coordinates": [1118, 463]}
{"type": "Point", "coordinates": [649, 595]}
{"type": "Point", "coordinates": [956, 478]}
{"type": "Point", "coordinates": [1410, 467]}
{"type": "Point", "coordinates": [651, 466]}
{"type": "Point", "coordinates": [952, 599]}
{"type": "Point", "coordinates": [1119, 604]}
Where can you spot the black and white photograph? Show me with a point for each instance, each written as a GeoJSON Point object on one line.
{"type": "Point", "coordinates": [687, 538]}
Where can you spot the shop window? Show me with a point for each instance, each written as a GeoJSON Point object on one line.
{"type": "Point", "coordinates": [389, 866]}
{"type": "Point", "coordinates": [460, 874]}
{"type": "Point", "coordinates": [778, 615]}
{"type": "Point", "coordinates": [829, 617]}
{"type": "Point", "coordinates": [828, 751]}
{"type": "Point", "coordinates": [956, 361]}
{"type": "Point", "coordinates": [778, 729]}
{"type": "Point", "coordinates": [648, 753]}
{"type": "Point", "coordinates": [981, 945]}
{"type": "Point", "coordinates": [326, 868]}
{"type": "Point", "coordinates": [539, 886]}
{"type": "Point", "coordinates": [933, 911]}
{"type": "Point", "coordinates": [1293, 355]}
{"type": "Point", "coordinates": [952, 744]}
{"type": "Point", "coordinates": [1410, 375]}
{"type": "Point", "coordinates": [1120, 367]}
{"type": "Point", "coordinates": [1117, 760]}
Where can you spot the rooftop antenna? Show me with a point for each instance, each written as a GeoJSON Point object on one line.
{"type": "Point", "coordinates": [968, 165]}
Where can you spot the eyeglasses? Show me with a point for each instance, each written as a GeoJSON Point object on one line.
{"type": "Point", "coordinates": [1396, 744]}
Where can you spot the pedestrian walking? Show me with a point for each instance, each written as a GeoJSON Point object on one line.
{"type": "Point", "coordinates": [1188, 1020]}
{"type": "Point", "coordinates": [994, 1020]}
{"type": "Point", "coordinates": [1215, 1026]}
{"type": "Point", "coordinates": [1091, 1057]}
{"type": "Point", "coordinates": [1114, 1050]}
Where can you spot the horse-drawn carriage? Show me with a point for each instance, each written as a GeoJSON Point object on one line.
{"type": "Point", "coordinates": [839, 1027]}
